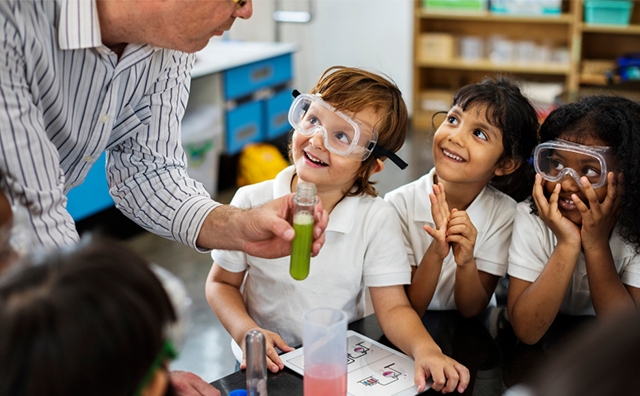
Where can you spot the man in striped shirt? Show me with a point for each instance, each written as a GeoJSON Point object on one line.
{"type": "Point", "coordinates": [78, 77]}
{"type": "Point", "coordinates": [81, 77]}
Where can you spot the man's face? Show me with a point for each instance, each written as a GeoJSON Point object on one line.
{"type": "Point", "coordinates": [186, 25]}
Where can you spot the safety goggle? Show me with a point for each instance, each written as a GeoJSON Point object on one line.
{"type": "Point", "coordinates": [556, 159]}
{"type": "Point", "coordinates": [342, 134]}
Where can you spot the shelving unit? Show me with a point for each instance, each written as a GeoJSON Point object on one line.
{"type": "Point", "coordinates": [584, 42]}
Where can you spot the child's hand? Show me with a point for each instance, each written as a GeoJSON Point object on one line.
{"type": "Point", "coordinates": [447, 374]}
{"type": "Point", "coordinates": [462, 236]}
{"type": "Point", "coordinates": [440, 213]}
{"type": "Point", "coordinates": [272, 340]}
{"type": "Point", "coordinates": [564, 229]}
{"type": "Point", "coordinates": [598, 219]}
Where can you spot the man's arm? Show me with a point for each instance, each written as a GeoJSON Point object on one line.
{"type": "Point", "coordinates": [29, 161]}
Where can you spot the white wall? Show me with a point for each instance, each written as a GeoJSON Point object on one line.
{"type": "Point", "coordinates": [372, 34]}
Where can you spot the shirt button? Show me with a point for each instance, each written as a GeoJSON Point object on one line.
{"type": "Point", "coordinates": [88, 158]}
{"type": "Point", "coordinates": [105, 118]}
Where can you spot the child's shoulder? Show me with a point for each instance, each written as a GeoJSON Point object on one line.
{"type": "Point", "coordinates": [408, 191]}
{"type": "Point", "coordinates": [499, 198]}
{"type": "Point", "coordinates": [254, 195]}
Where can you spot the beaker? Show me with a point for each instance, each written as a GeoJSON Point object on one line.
{"type": "Point", "coordinates": [324, 339]}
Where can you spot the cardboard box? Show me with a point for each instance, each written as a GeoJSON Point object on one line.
{"type": "Point", "coordinates": [436, 47]}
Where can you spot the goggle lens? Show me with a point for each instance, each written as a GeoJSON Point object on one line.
{"type": "Point", "coordinates": [556, 163]}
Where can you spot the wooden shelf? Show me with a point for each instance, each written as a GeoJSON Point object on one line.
{"type": "Point", "coordinates": [612, 29]}
{"type": "Point", "coordinates": [491, 17]}
{"type": "Point", "coordinates": [486, 65]}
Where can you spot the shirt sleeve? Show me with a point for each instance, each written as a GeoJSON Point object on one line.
{"type": "Point", "coordinates": [399, 204]}
{"type": "Point", "coordinates": [147, 172]}
{"type": "Point", "coordinates": [386, 261]}
{"type": "Point", "coordinates": [528, 250]}
{"type": "Point", "coordinates": [492, 255]}
{"type": "Point", "coordinates": [29, 163]}
{"type": "Point", "coordinates": [233, 260]}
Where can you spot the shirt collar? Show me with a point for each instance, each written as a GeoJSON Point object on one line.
{"type": "Point", "coordinates": [422, 204]}
{"type": "Point", "coordinates": [343, 215]}
{"type": "Point", "coordinates": [79, 26]}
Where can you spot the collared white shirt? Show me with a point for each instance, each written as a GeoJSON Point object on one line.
{"type": "Point", "coordinates": [363, 248]}
{"type": "Point", "coordinates": [491, 212]}
{"type": "Point", "coordinates": [532, 245]}
{"type": "Point", "coordinates": [65, 98]}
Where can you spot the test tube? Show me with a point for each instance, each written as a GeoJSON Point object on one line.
{"type": "Point", "coordinates": [256, 363]}
{"type": "Point", "coordinates": [303, 222]}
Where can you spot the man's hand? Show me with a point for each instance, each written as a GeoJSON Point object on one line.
{"type": "Point", "coordinates": [189, 384]}
{"type": "Point", "coordinates": [264, 231]}
{"type": "Point", "coordinates": [267, 231]}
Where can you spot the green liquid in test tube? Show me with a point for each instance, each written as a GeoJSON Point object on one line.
{"type": "Point", "coordinates": [303, 222]}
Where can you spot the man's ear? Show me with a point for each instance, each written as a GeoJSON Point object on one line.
{"type": "Point", "coordinates": [378, 166]}
{"type": "Point", "coordinates": [506, 167]}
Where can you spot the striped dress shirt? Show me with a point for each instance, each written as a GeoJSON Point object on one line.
{"type": "Point", "coordinates": [65, 98]}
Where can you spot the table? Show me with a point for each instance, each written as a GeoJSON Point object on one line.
{"type": "Point", "coordinates": [486, 345]}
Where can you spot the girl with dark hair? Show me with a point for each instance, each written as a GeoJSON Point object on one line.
{"type": "Point", "coordinates": [90, 321]}
{"type": "Point", "coordinates": [480, 153]}
{"type": "Point", "coordinates": [577, 251]}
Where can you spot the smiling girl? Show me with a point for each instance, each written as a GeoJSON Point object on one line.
{"type": "Point", "coordinates": [344, 128]}
{"type": "Point", "coordinates": [576, 242]}
{"type": "Point", "coordinates": [457, 242]}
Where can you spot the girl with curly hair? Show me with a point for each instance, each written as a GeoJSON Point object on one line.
{"type": "Point", "coordinates": [575, 243]}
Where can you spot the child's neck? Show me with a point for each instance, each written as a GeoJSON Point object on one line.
{"type": "Point", "coordinates": [329, 196]}
{"type": "Point", "coordinates": [460, 195]}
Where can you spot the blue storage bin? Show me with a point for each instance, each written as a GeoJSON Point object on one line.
{"type": "Point", "coordinates": [276, 114]}
{"type": "Point", "coordinates": [92, 196]}
{"type": "Point", "coordinates": [244, 125]}
{"type": "Point", "coordinates": [244, 80]}
{"type": "Point", "coordinates": [608, 12]}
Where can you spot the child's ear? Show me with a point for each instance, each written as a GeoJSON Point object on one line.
{"type": "Point", "coordinates": [378, 166]}
{"type": "Point", "coordinates": [506, 167]}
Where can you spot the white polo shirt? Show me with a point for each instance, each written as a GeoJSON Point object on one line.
{"type": "Point", "coordinates": [491, 212]}
{"type": "Point", "coordinates": [532, 245]}
{"type": "Point", "coordinates": [363, 248]}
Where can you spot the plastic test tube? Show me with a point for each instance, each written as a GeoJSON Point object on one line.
{"type": "Point", "coordinates": [303, 221]}
{"type": "Point", "coordinates": [256, 363]}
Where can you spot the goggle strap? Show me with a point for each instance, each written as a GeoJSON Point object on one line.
{"type": "Point", "coordinates": [379, 151]}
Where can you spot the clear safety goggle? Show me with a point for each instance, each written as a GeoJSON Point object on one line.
{"type": "Point", "coordinates": [556, 159]}
{"type": "Point", "coordinates": [343, 135]}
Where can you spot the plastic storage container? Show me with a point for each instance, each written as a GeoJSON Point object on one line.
{"type": "Point", "coordinates": [547, 8]}
{"type": "Point", "coordinates": [455, 5]}
{"type": "Point", "coordinates": [608, 12]}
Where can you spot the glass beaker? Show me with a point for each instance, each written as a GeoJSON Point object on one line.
{"type": "Point", "coordinates": [324, 339]}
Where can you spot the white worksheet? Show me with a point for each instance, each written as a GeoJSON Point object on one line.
{"type": "Point", "coordinates": [373, 369]}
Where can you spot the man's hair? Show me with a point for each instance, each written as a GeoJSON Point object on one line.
{"type": "Point", "coordinates": [352, 90]}
{"type": "Point", "coordinates": [89, 321]}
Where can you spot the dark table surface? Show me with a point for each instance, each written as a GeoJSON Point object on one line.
{"type": "Point", "coordinates": [486, 345]}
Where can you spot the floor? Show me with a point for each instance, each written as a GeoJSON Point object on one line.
{"type": "Point", "coordinates": [206, 351]}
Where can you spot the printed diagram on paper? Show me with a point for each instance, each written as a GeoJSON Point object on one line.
{"type": "Point", "coordinates": [376, 371]}
{"type": "Point", "coordinates": [373, 369]}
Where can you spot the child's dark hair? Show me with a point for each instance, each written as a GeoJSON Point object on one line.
{"type": "Point", "coordinates": [353, 90]}
{"type": "Point", "coordinates": [78, 316]}
{"type": "Point", "coordinates": [513, 114]}
{"type": "Point", "coordinates": [616, 122]}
